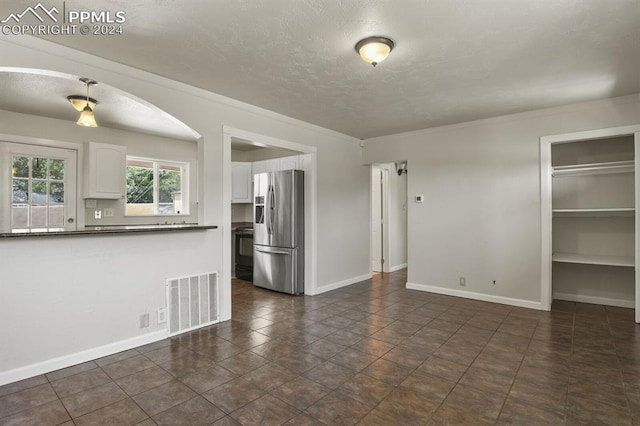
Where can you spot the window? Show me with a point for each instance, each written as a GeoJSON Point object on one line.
{"type": "Point", "coordinates": [156, 187]}
{"type": "Point", "coordinates": [41, 187]}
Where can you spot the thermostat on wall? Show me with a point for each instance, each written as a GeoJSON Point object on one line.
{"type": "Point", "coordinates": [419, 198]}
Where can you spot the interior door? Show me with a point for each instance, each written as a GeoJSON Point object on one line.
{"type": "Point", "coordinates": [377, 220]}
{"type": "Point", "coordinates": [39, 189]}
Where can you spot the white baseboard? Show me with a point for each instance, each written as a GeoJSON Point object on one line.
{"type": "Point", "coordinates": [340, 284]}
{"type": "Point", "coordinates": [65, 361]}
{"type": "Point", "coordinates": [595, 300]}
{"type": "Point", "coordinates": [477, 296]}
{"type": "Point", "coordinates": [397, 267]}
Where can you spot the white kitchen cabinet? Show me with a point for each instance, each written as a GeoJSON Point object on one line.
{"type": "Point", "coordinates": [260, 166]}
{"type": "Point", "coordinates": [105, 171]}
{"type": "Point", "coordinates": [241, 186]}
{"type": "Point", "coordinates": [289, 163]}
{"type": "Point", "coordinates": [277, 164]}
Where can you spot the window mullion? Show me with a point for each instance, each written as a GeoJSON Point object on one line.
{"type": "Point", "coordinates": [156, 186]}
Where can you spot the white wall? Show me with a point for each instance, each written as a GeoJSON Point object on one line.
{"type": "Point", "coordinates": [342, 245]}
{"type": "Point", "coordinates": [481, 182]}
{"type": "Point", "coordinates": [62, 296]}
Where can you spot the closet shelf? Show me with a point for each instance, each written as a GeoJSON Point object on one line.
{"type": "Point", "coordinates": [591, 259]}
{"type": "Point", "coordinates": [610, 212]}
{"type": "Point", "coordinates": [595, 168]}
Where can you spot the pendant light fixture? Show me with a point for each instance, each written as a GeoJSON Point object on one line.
{"type": "Point", "coordinates": [85, 105]}
{"type": "Point", "coordinates": [374, 50]}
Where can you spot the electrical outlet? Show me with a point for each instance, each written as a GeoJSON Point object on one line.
{"type": "Point", "coordinates": [463, 281]}
{"type": "Point", "coordinates": [97, 214]}
{"type": "Point", "coordinates": [144, 320]}
{"type": "Point", "coordinates": [162, 315]}
{"type": "Point", "coordinates": [108, 212]}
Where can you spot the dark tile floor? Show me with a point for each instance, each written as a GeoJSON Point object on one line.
{"type": "Point", "coordinates": [372, 353]}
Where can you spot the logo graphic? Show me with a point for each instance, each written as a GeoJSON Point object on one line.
{"type": "Point", "coordinates": [34, 11]}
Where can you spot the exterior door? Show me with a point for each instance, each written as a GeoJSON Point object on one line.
{"type": "Point", "coordinates": [38, 189]}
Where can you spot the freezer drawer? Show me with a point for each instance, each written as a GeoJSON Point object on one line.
{"type": "Point", "coordinates": [276, 269]}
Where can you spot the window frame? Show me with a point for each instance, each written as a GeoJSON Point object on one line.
{"type": "Point", "coordinates": [157, 163]}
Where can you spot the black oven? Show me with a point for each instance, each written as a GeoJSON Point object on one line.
{"type": "Point", "coordinates": [244, 253]}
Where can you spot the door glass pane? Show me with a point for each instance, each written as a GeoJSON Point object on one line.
{"type": "Point", "coordinates": [39, 168]}
{"type": "Point", "coordinates": [20, 167]}
{"type": "Point", "coordinates": [56, 215]}
{"type": "Point", "coordinates": [38, 216]}
{"type": "Point", "coordinates": [20, 190]}
{"type": "Point", "coordinates": [20, 216]}
{"type": "Point", "coordinates": [169, 185]}
{"type": "Point", "coordinates": [57, 192]}
{"type": "Point", "coordinates": [56, 169]}
{"type": "Point", "coordinates": [38, 192]}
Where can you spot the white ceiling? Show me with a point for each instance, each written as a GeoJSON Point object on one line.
{"type": "Point", "coordinates": [45, 94]}
{"type": "Point", "coordinates": [454, 61]}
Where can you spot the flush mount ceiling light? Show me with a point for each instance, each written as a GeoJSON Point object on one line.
{"type": "Point", "coordinates": [85, 104]}
{"type": "Point", "coordinates": [374, 50]}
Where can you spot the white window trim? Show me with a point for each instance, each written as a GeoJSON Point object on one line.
{"type": "Point", "coordinates": [184, 165]}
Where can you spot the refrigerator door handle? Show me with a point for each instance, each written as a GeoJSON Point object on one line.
{"type": "Point", "coordinates": [267, 207]}
{"type": "Point", "coordinates": [272, 252]}
{"type": "Point", "coordinates": [271, 210]}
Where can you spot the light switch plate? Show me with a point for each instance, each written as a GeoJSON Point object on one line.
{"type": "Point", "coordinates": [419, 198]}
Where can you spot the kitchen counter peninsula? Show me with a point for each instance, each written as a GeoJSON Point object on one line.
{"type": "Point", "coordinates": [105, 230]}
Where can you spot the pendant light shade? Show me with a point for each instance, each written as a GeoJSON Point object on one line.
{"type": "Point", "coordinates": [87, 118]}
{"type": "Point", "coordinates": [85, 104]}
{"type": "Point", "coordinates": [374, 50]}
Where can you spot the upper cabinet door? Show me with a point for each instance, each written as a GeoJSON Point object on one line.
{"type": "Point", "coordinates": [241, 187]}
{"type": "Point", "coordinates": [260, 167]}
{"type": "Point", "coordinates": [105, 171]}
{"type": "Point", "coordinates": [289, 163]}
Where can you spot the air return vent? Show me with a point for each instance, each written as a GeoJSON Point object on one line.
{"type": "Point", "coordinates": [193, 302]}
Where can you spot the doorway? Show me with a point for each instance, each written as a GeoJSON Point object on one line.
{"type": "Point", "coordinates": [388, 217]}
{"type": "Point", "coordinates": [272, 149]}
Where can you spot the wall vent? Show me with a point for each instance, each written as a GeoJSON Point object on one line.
{"type": "Point", "coordinates": [192, 302]}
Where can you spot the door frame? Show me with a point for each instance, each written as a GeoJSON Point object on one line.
{"type": "Point", "coordinates": [546, 214]}
{"type": "Point", "coordinates": [310, 202]}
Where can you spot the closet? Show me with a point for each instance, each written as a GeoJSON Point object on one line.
{"type": "Point", "coordinates": [590, 194]}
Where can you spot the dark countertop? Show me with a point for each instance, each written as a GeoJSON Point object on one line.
{"type": "Point", "coordinates": [104, 230]}
{"type": "Point", "coordinates": [236, 225]}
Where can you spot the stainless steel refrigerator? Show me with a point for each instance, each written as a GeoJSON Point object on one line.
{"type": "Point", "coordinates": [278, 231]}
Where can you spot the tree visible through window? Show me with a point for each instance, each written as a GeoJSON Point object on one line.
{"type": "Point", "coordinates": [155, 187]}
